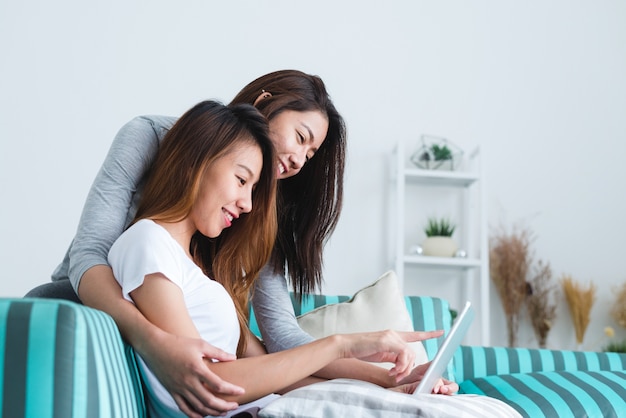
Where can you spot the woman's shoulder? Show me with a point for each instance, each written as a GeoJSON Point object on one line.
{"type": "Point", "coordinates": [145, 242]}
{"type": "Point", "coordinates": [137, 141]}
{"type": "Point", "coordinates": [156, 122]}
{"type": "Point", "coordinates": [147, 126]}
{"type": "Point", "coordinates": [146, 229]}
{"type": "Point", "coordinates": [143, 234]}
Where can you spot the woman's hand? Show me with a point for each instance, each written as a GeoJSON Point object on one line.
{"type": "Point", "coordinates": [179, 364]}
{"type": "Point", "coordinates": [416, 374]}
{"type": "Point", "coordinates": [445, 387]}
{"type": "Point", "coordinates": [442, 387]}
{"type": "Point", "coordinates": [387, 346]}
{"type": "Point", "coordinates": [409, 383]}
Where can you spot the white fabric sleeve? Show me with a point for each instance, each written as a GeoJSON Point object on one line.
{"type": "Point", "coordinates": [112, 200]}
{"type": "Point", "coordinates": [274, 313]}
{"type": "Point", "coordinates": [144, 249]}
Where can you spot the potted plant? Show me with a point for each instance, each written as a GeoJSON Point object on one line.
{"type": "Point", "coordinates": [439, 242]}
{"type": "Point", "coordinates": [441, 152]}
{"type": "Point", "coordinates": [436, 153]}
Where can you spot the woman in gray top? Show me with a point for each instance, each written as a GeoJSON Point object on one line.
{"type": "Point", "coordinates": [310, 139]}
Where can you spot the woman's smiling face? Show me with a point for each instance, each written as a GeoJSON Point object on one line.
{"type": "Point", "coordinates": [226, 190]}
{"type": "Point", "coordinates": [296, 137]}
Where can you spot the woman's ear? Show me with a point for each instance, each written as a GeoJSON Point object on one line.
{"type": "Point", "coordinates": [264, 95]}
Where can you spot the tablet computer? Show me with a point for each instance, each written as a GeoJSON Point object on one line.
{"type": "Point", "coordinates": [446, 352]}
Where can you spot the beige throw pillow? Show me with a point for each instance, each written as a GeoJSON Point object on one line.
{"type": "Point", "coordinates": [376, 307]}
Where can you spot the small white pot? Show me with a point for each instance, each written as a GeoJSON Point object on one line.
{"type": "Point", "coordinates": [439, 246]}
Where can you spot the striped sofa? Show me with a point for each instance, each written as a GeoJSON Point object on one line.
{"type": "Point", "coordinates": [537, 383]}
{"type": "Point", "coordinates": [62, 359]}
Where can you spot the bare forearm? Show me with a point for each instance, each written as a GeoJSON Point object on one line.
{"type": "Point", "coordinates": [272, 373]}
{"type": "Point", "coordinates": [304, 382]}
{"type": "Point", "coordinates": [350, 368]}
{"type": "Point", "coordinates": [99, 289]}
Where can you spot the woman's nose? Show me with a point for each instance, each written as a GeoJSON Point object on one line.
{"type": "Point", "coordinates": [298, 160]}
{"type": "Point", "coordinates": [245, 203]}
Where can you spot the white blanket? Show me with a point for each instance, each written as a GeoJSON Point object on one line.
{"type": "Point", "coordinates": [352, 398]}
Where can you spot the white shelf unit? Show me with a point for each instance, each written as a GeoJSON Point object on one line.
{"type": "Point", "coordinates": [470, 182]}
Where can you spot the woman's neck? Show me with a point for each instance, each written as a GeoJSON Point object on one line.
{"type": "Point", "coordinates": [181, 231]}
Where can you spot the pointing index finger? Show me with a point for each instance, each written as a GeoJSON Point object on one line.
{"type": "Point", "coordinates": [422, 335]}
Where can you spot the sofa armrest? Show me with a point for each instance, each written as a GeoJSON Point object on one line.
{"type": "Point", "coordinates": [477, 361]}
{"type": "Point", "coordinates": [65, 359]}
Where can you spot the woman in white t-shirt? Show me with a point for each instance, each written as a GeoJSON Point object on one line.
{"type": "Point", "coordinates": [196, 247]}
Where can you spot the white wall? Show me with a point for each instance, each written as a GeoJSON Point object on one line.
{"type": "Point", "coordinates": [539, 86]}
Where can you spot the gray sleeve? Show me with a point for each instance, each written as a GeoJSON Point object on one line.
{"type": "Point", "coordinates": [274, 313]}
{"type": "Point", "coordinates": [112, 200]}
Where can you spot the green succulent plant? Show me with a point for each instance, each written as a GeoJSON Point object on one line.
{"type": "Point", "coordinates": [441, 152]}
{"type": "Point", "coordinates": [439, 228]}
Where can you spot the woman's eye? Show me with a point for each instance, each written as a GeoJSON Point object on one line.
{"type": "Point", "coordinates": [301, 138]}
{"type": "Point", "coordinates": [242, 181]}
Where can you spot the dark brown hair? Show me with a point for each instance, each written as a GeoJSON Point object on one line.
{"type": "Point", "coordinates": [203, 135]}
{"type": "Point", "coordinates": [309, 203]}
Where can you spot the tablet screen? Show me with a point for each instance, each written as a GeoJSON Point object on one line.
{"type": "Point", "coordinates": [446, 352]}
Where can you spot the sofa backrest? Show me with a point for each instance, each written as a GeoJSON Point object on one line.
{"type": "Point", "coordinates": [62, 359]}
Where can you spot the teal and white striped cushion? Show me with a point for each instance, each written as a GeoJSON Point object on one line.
{"type": "Point", "coordinates": [477, 361]}
{"type": "Point", "coordinates": [62, 359]}
{"type": "Point", "coordinates": [591, 394]}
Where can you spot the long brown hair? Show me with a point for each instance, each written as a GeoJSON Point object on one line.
{"type": "Point", "coordinates": [310, 202]}
{"type": "Point", "coordinates": [203, 135]}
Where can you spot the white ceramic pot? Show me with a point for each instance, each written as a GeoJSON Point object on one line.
{"type": "Point", "coordinates": [439, 246]}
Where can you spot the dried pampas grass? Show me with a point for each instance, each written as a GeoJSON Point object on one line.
{"type": "Point", "coordinates": [509, 261]}
{"type": "Point", "coordinates": [618, 311]}
{"type": "Point", "coordinates": [580, 301]}
{"type": "Point", "coordinates": [540, 301]}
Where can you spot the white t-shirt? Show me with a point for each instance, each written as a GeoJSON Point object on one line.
{"type": "Point", "coordinates": [147, 248]}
